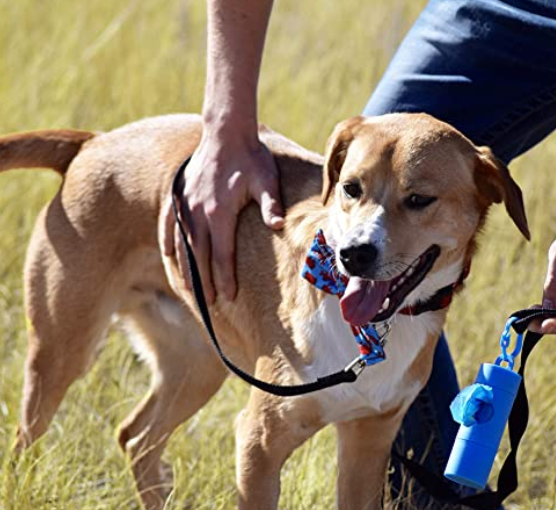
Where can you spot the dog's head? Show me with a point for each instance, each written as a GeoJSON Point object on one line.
{"type": "Point", "coordinates": [409, 195]}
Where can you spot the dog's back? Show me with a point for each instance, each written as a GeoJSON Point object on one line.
{"type": "Point", "coordinates": [94, 252]}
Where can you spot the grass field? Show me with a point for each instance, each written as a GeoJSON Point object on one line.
{"type": "Point", "coordinates": [99, 64]}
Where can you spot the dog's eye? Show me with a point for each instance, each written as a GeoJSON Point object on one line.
{"type": "Point", "coordinates": [352, 189]}
{"type": "Point", "coordinates": [419, 201]}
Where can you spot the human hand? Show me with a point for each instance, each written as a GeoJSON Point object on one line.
{"type": "Point", "coordinates": [548, 326]}
{"type": "Point", "coordinates": [225, 173]}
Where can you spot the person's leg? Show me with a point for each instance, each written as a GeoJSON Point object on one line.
{"type": "Point", "coordinates": [488, 67]}
{"type": "Point", "coordinates": [428, 430]}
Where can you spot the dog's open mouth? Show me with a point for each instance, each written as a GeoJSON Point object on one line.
{"type": "Point", "coordinates": [369, 300]}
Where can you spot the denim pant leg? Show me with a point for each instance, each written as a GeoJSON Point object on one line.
{"type": "Point", "coordinates": [488, 67]}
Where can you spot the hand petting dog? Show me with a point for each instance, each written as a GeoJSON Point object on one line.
{"type": "Point", "coordinates": [548, 326]}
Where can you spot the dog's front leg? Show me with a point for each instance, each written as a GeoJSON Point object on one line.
{"type": "Point", "coordinates": [268, 430]}
{"type": "Point", "coordinates": [363, 451]}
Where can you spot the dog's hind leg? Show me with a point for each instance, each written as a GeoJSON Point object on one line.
{"type": "Point", "coordinates": [186, 373]}
{"type": "Point", "coordinates": [68, 305]}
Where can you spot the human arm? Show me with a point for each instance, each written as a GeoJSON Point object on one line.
{"type": "Point", "coordinates": [231, 166]}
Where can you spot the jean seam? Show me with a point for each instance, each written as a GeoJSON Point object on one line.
{"type": "Point", "coordinates": [531, 106]}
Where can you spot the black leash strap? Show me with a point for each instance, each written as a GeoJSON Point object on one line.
{"type": "Point", "coordinates": [347, 375]}
{"type": "Point", "coordinates": [438, 487]}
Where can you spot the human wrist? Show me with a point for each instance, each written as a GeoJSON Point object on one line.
{"type": "Point", "coordinates": [231, 127]}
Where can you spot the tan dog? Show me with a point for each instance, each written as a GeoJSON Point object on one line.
{"type": "Point", "coordinates": [393, 188]}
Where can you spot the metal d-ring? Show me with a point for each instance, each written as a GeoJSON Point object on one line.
{"type": "Point", "coordinates": [383, 336]}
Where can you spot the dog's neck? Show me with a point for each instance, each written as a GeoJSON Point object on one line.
{"type": "Point", "coordinates": [328, 343]}
{"type": "Point", "coordinates": [302, 225]}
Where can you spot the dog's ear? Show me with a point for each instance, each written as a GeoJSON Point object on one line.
{"type": "Point", "coordinates": [336, 150]}
{"type": "Point", "coordinates": [495, 184]}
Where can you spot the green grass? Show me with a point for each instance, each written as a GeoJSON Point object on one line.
{"type": "Point", "coordinates": [99, 64]}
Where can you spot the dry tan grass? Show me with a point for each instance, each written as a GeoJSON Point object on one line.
{"type": "Point", "coordinates": [98, 64]}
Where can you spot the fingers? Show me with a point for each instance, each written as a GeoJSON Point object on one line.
{"type": "Point", "coordinates": [267, 194]}
{"type": "Point", "coordinates": [549, 291]}
{"type": "Point", "coordinates": [547, 326]}
{"type": "Point", "coordinates": [544, 327]}
{"type": "Point", "coordinates": [199, 240]}
{"type": "Point", "coordinates": [536, 325]}
{"type": "Point", "coordinates": [271, 210]}
{"type": "Point", "coordinates": [222, 227]}
{"type": "Point", "coordinates": [208, 229]}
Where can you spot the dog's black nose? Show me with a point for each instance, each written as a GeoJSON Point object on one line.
{"type": "Point", "coordinates": [359, 259]}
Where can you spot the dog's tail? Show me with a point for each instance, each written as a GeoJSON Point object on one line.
{"type": "Point", "coordinates": [41, 149]}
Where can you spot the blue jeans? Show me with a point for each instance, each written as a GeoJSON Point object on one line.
{"type": "Point", "coordinates": [488, 67]}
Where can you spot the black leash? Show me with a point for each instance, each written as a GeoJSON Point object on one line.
{"type": "Point", "coordinates": [347, 375]}
{"type": "Point", "coordinates": [438, 487]}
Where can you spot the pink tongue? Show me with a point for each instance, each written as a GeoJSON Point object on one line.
{"type": "Point", "coordinates": [362, 300]}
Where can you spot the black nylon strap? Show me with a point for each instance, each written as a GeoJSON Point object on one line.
{"type": "Point", "coordinates": [347, 375]}
{"type": "Point", "coordinates": [507, 479]}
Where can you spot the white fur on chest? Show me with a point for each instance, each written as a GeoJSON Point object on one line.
{"type": "Point", "coordinates": [380, 386]}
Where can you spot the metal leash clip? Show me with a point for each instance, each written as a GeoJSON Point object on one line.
{"type": "Point", "coordinates": [385, 327]}
{"type": "Point", "coordinates": [356, 366]}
